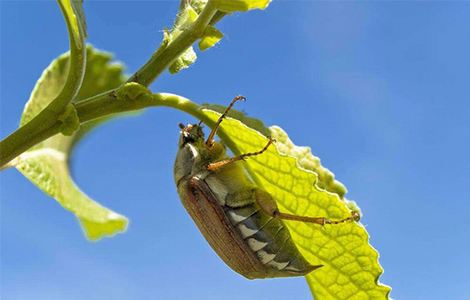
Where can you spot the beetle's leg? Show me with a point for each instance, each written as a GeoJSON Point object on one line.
{"type": "Point", "coordinates": [210, 138]}
{"type": "Point", "coordinates": [268, 205]}
{"type": "Point", "coordinates": [318, 220]}
{"type": "Point", "coordinates": [222, 163]}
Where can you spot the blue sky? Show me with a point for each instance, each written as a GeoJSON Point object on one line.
{"type": "Point", "coordinates": [379, 90]}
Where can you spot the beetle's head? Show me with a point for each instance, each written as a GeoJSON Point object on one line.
{"type": "Point", "coordinates": [191, 134]}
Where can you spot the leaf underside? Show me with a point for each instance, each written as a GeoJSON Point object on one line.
{"type": "Point", "coordinates": [47, 163]}
{"type": "Point", "coordinates": [290, 174]}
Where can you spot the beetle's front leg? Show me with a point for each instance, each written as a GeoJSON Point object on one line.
{"type": "Point", "coordinates": [222, 163]}
{"type": "Point", "coordinates": [269, 206]}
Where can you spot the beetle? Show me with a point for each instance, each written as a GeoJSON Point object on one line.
{"type": "Point", "coordinates": [239, 220]}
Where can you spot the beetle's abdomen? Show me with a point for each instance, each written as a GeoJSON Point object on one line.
{"type": "Point", "coordinates": [269, 239]}
{"type": "Point", "coordinates": [251, 242]}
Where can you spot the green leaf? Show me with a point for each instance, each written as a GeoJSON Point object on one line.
{"type": "Point", "coordinates": [292, 175]}
{"type": "Point", "coordinates": [46, 164]}
{"type": "Point", "coordinates": [230, 6]}
{"type": "Point", "coordinates": [211, 37]}
{"type": "Point", "coordinates": [186, 16]}
{"type": "Point", "coordinates": [326, 179]}
{"type": "Point", "coordinates": [183, 61]}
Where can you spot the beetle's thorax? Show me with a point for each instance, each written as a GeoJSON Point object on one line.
{"type": "Point", "coordinates": [192, 158]}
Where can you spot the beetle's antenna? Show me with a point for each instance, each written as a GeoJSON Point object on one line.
{"type": "Point", "coordinates": [210, 138]}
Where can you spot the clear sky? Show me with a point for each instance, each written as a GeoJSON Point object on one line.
{"type": "Point", "coordinates": [379, 90]}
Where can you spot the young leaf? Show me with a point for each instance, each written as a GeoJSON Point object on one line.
{"type": "Point", "coordinates": [230, 6]}
{"type": "Point", "coordinates": [289, 173]}
{"type": "Point", "coordinates": [183, 61]}
{"type": "Point", "coordinates": [186, 16]}
{"type": "Point", "coordinates": [211, 37]}
{"type": "Point", "coordinates": [46, 164]}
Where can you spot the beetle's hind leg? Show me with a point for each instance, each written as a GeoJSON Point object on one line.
{"type": "Point", "coordinates": [269, 206]}
{"type": "Point", "coordinates": [210, 138]}
{"type": "Point", "coordinates": [222, 163]}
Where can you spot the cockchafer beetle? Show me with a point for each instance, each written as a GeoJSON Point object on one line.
{"type": "Point", "coordinates": [240, 220]}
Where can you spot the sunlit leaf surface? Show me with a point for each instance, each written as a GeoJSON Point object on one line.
{"type": "Point", "coordinates": [351, 267]}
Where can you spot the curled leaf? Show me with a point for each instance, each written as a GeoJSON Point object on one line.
{"type": "Point", "coordinates": [46, 164]}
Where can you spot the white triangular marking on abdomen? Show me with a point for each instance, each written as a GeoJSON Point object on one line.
{"type": "Point", "coordinates": [256, 245]}
{"type": "Point", "coordinates": [278, 265]}
{"type": "Point", "coordinates": [245, 231]}
{"type": "Point", "coordinates": [265, 257]}
{"type": "Point", "coordinates": [236, 217]}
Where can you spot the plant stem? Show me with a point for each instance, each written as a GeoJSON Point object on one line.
{"type": "Point", "coordinates": [45, 124]}
{"type": "Point", "coordinates": [106, 104]}
{"type": "Point", "coordinates": [162, 59]}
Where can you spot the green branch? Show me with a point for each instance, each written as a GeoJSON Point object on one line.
{"type": "Point", "coordinates": [46, 123]}
{"type": "Point", "coordinates": [167, 53]}
{"type": "Point", "coordinates": [110, 103]}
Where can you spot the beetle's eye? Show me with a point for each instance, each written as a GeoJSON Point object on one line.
{"type": "Point", "coordinates": [181, 125]}
{"type": "Point", "coordinates": [188, 138]}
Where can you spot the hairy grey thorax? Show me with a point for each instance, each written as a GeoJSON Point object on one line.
{"type": "Point", "coordinates": [186, 159]}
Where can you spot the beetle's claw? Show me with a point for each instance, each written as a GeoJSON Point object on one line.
{"type": "Point", "coordinates": [240, 98]}
{"type": "Point", "coordinates": [356, 216]}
